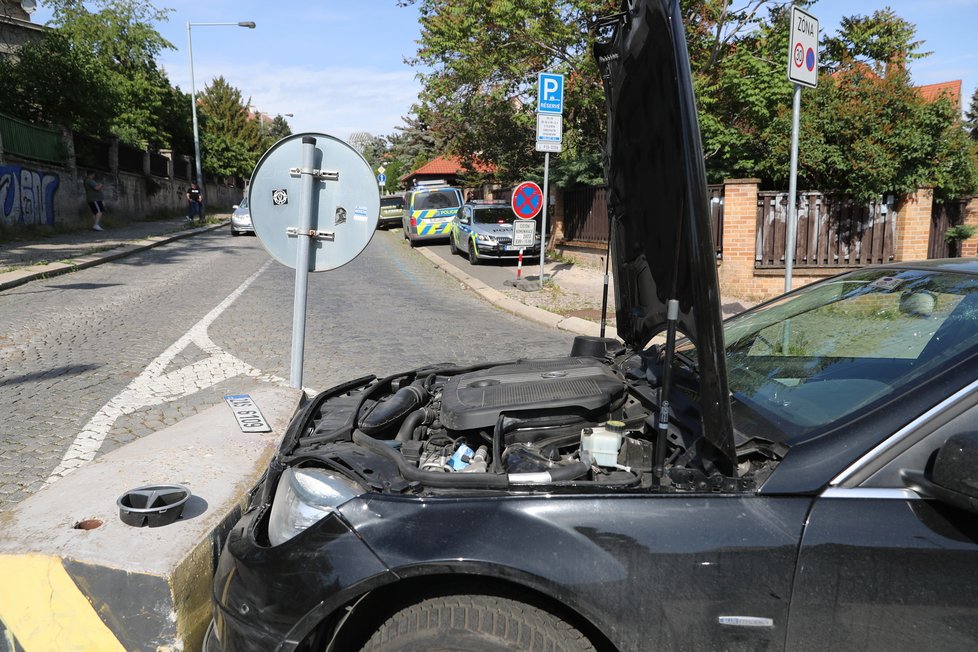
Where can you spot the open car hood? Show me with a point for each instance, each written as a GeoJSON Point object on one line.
{"type": "Point", "coordinates": [661, 235]}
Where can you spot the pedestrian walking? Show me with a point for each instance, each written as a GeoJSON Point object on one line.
{"type": "Point", "coordinates": [94, 197]}
{"type": "Point", "coordinates": [194, 201]}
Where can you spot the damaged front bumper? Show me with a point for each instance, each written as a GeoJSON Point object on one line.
{"type": "Point", "coordinates": [275, 597]}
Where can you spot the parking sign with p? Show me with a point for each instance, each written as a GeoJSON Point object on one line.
{"type": "Point", "coordinates": [550, 93]}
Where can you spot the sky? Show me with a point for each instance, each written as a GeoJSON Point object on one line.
{"type": "Point", "coordinates": [339, 65]}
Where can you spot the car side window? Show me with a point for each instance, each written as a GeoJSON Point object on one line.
{"type": "Point", "coordinates": [914, 452]}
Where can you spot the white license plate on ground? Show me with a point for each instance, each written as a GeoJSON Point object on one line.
{"type": "Point", "coordinates": [245, 410]}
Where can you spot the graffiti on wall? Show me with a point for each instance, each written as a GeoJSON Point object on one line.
{"type": "Point", "coordinates": [27, 196]}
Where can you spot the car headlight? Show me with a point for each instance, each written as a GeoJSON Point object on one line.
{"type": "Point", "coordinates": [485, 238]}
{"type": "Point", "coordinates": [303, 498]}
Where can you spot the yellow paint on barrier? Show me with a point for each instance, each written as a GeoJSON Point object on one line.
{"type": "Point", "coordinates": [46, 611]}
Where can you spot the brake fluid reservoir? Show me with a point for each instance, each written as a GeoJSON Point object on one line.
{"type": "Point", "coordinates": [603, 442]}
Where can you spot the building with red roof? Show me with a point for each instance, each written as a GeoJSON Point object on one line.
{"type": "Point", "coordinates": [442, 168]}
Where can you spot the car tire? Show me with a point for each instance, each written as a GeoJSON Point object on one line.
{"type": "Point", "coordinates": [475, 623]}
{"type": "Point", "coordinates": [412, 242]}
{"type": "Point", "coordinates": [451, 245]}
{"type": "Point", "coordinates": [473, 254]}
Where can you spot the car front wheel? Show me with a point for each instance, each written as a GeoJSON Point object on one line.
{"type": "Point", "coordinates": [451, 245]}
{"type": "Point", "coordinates": [475, 623]}
{"type": "Point", "coordinates": [473, 254]}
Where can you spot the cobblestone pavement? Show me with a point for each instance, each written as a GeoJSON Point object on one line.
{"type": "Point", "coordinates": [95, 359]}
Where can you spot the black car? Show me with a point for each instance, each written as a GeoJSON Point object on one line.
{"type": "Point", "coordinates": [803, 476]}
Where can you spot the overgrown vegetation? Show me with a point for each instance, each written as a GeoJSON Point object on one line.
{"type": "Point", "coordinates": [866, 130]}
{"type": "Point", "coordinates": [97, 73]}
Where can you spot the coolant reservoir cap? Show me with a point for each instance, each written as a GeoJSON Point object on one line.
{"type": "Point", "coordinates": [616, 426]}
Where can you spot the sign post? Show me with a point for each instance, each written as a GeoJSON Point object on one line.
{"type": "Point", "coordinates": [550, 115]}
{"type": "Point", "coordinates": [802, 71]}
{"type": "Point", "coordinates": [312, 217]}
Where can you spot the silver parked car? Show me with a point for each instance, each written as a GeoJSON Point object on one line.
{"type": "Point", "coordinates": [241, 219]}
{"type": "Point", "coordinates": [484, 229]}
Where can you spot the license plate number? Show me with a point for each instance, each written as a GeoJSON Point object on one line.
{"type": "Point", "coordinates": [246, 412]}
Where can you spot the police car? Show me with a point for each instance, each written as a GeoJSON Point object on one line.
{"type": "Point", "coordinates": [428, 212]}
{"type": "Point", "coordinates": [484, 229]}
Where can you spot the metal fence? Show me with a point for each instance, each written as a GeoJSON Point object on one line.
{"type": "Point", "coordinates": [586, 215]}
{"type": "Point", "coordinates": [832, 231]}
{"type": "Point", "coordinates": [159, 165]}
{"type": "Point", "coordinates": [92, 152]}
{"type": "Point", "coordinates": [27, 141]}
{"type": "Point", "coordinates": [130, 159]}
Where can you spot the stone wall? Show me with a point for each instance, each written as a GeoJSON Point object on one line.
{"type": "Point", "coordinates": [41, 194]}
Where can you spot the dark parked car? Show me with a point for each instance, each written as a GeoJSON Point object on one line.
{"type": "Point", "coordinates": [801, 477]}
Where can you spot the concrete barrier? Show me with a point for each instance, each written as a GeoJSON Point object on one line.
{"type": "Point", "coordinates": [75, 577]}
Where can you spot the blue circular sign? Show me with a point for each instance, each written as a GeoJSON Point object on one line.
{"type": "Point", "coordinates": [810, 59]}
{"type": "Point", "coordinates": [527, 200]}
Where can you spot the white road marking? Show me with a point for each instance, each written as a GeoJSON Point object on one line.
{"type": "Point", "coordinates": [154, 387]}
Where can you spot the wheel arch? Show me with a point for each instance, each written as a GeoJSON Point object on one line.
{"type": "Point", "coordinates": [354, 623]}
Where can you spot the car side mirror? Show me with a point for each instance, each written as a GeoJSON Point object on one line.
{"type": "Point", "coordinates": [235, 207]}
{"type": "Point", "coordinates": [463, 220]}
{"type": "Point", "coordinates": [953, 476]}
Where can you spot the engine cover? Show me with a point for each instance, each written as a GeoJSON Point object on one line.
{"type": "Point", "coordinates": [580, 385]}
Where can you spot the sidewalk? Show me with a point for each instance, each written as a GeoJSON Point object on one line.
{"type": "Point", "coordinates": [34, 256]}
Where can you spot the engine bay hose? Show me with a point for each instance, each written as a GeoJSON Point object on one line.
{"type": "Point", "coordinates": [386, 414]}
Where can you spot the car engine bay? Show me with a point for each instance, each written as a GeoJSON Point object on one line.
{"type": "Point", "coordinates": [586, 422]}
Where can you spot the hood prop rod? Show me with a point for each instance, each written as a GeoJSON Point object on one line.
{"type": "Point", "coordinates": [662, 428]}
{"type": "Point", "coordinates": [604, 292]}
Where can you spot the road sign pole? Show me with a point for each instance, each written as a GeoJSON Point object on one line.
{"type": "Point", "coordinates": [302, 260]}
{"type": "Point", "coordinates": [543, 217]}
{"type": "Point", "coordinates": [789, 247]}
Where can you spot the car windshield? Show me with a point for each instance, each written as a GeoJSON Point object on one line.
{"type": "Point", "coordinates": [244, 202]}
{"type": "Point", "coordinates": [436, 199]}
{"type": "Point", "coordinates": [392, 202]}
{"type": "Point", "coordinates": [825, 354]}
{"type": "Point", "coordinates": [494, 215]}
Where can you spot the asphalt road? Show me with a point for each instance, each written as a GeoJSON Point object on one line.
{"type": "Point", "coordinates": [92, 360]}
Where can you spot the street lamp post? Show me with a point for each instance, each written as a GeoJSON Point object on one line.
{"type": "Point", "coordinates": [193, 95]}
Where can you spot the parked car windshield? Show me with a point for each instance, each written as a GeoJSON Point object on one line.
{"type": "Point", "coordinates": [821, 356]}
{"type": "Point", "coordinates": [494, 215]}
{"type": "Point", "coordinates": [244, 202]}
{"type": "Point", "coordinates": [436, 199]}
{"type": "Point", "coordinates": [392, 202]}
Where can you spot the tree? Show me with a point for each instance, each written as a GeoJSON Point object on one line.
{"type": "Point", "coordinates": [479, 97]}
{"type": "Point", "coordinates": [123, 40]}
{"type": "Point", "coordinates": [866, 130]}
{"type": "Point", "coordinates": [279, 129]}
{"type": "Point", "coordinates": [47, 80]}
{"type": "Point", "coordinates": [971, 116]}
{"type": "Point", "coordinates": [230, 140]}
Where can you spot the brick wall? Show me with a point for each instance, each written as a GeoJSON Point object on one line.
{"type": "Point", "coordinates": [969, 247]}
{"type": "Point", "coordinates": [912, 234]}
{"type": "Point", "coordinates": [740, 279]}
